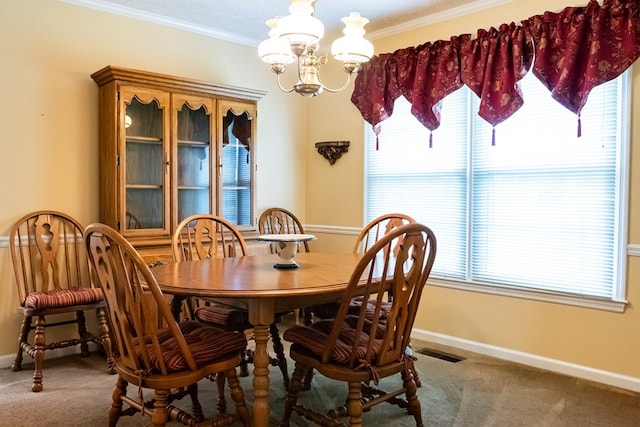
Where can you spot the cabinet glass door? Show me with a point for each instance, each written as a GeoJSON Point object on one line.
{"type": "Point", "coordinates": [145, 161]}
{"type": "Point", "coordinates": [236, 156]}
{"type": "Point", "coordinates": [194, 126]}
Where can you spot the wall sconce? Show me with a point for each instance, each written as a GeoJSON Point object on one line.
{"type": "Point", "coordinates": [332, 150]}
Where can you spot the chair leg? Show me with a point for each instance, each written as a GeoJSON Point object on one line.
{"type": "Point", "coordinates": [221, 402]}
{"type": "Point", "coordinates": [279, 349]}
{"type": "Point", "coordinates": [38, 353]}
{"type": "Point", "coordinates": [160, 415]}
{"type": "Point", "coordinates": [196, 407]}
{"type": "Point", "coordinates": [414, 372]}
{"type": "Point", "coordinates": [244, 364]}
{"type": "Point", "coordinates": [22, 339]}
{"type": "Point", "coordinates": [306, 383]}
{"type": "Point", "coordinates": [354, 404]}
{"type": "Point", "coordinates": [105, 338]}
{"type": "Point", "coordinates": [412, 396]}
{"type": "Point", "coordinates": [82, 332]}
{"type": "Point", "coordinates": [238, 396]}
{"type": "Point", "coordinates": [291, 397]}
{"type": "Point", "coordinates": [116, 402]}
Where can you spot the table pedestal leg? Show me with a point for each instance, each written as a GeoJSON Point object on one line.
{"type": "Point", "coordinates": [261, 377]}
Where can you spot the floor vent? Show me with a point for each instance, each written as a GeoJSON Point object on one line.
{"type": "Point", "coordinates": [441, 355]}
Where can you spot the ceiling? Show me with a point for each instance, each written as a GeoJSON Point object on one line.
{"type": "Point", "coordinates": [243, 21]}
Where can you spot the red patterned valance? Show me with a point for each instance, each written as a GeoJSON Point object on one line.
{"type": "Point", "coordinates": [572, 52]}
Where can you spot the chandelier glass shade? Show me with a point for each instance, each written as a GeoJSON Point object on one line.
{"type": "Point", "coordinates": [296, 37]}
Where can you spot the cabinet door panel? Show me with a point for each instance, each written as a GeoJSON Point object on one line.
{"type": "Point", "coordinates": [144, 159]}
{"type": "Point", "coordinates": [194, 124]}
{"type": "Point", "coordinates": [237, 163]}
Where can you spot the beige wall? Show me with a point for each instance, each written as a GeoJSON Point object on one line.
{"type": "Point", "coordinates": [48, 159]}
{"type": "Point", "coordinates": [592, 338]}
{"type": "Point", "coordinates": [49, 112]}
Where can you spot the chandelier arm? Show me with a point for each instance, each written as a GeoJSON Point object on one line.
{"type": "Point", "coordinates": [280, 85]}
{"type": "Point", "coordinates": [341, 88]}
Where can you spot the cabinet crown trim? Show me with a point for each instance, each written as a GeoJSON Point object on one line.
{"type": "Point", "coordinates": [113, 73]}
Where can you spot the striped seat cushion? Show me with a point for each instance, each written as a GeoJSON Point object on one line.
{"type": "Point", "coordinates": [59, 298]}
{"type": "Point", "coordinates": [356, 304]}
{"type": "Point", "coordinates": [328, 310]}
{"type": "Point", "coordinates": [222, 315]}
{"type": "Point", "coordinates": [207, 344]}
{"type": "Point", "coordinates": [315, 338]}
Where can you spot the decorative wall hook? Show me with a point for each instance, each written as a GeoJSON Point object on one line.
{"type": "Point", "coordinates": [332, 150]}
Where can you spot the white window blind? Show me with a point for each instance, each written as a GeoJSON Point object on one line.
{"type": "Point", "coordinates": [539, 210]}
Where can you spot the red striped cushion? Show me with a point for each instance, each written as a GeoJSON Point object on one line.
{"type": "Point", "coordinates": [63, 298]}
{"type": "Point", "coordinates": [207, 343]}
{"type": "Point", "coordinates": [315, 337]}
{"type": "Point", "coordinates": [223, 315]}
{"type": "Point", "coordinates": [356, 304]}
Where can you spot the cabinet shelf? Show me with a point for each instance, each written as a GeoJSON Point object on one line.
{"type": "Point", "coordinates": [144, 186]}
{"type": "Point", "coordinates": [144, 140]}
{"type": "Point", "coordinates": [193, 143]}
{"type": "Point", "coordinates": [235, 187]}
{"type": "Point", "coordinates": [193, 187]}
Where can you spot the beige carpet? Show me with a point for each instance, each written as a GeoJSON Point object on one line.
{"type": "Point", "coordinates": [477, 391]}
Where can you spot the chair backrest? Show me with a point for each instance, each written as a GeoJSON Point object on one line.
{"type": "Point", "coordinates": [204, 236]}
{"type": "Point", "coordinates": [404, 272]}
{"type": "Point", "coordinates": [48, 253]}
{"type": "Point", "coordinates": [280, 221]}
{"type": "Point", "coordinates": [378, 228]}
{"type": "Point", "coordinates": [137, 310]}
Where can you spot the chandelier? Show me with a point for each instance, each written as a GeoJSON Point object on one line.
{"type": "Point", "coordinates": [296, 37]}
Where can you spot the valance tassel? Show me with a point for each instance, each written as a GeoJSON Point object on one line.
{"type": "Point", "coordinates": [377, 130]}
{"type": "Point", "coordinates": [493, 137]}
{"type": "Point", "coordinates": [430, 139]}
{"type": "Point", "coordinates": [579, 126]}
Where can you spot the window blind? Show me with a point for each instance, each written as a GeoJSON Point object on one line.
{"type": "Point", "coordinates": [538, 210]}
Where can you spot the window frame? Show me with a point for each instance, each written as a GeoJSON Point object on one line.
{"type": "Point", "coordinates": [617, 302]}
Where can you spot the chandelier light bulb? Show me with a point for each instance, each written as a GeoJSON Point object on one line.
{"type": "Point", "coordinates": [275, 51]}
{"type": "Point", "coordinates": [297, 37]}
{"type": "Point", "coordinates": [300, 28]}
{"type": "Point", "coordinates": [352, 49]}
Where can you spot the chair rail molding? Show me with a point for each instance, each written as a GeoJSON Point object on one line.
{"type": "Point", "coordinates": [633, 249]}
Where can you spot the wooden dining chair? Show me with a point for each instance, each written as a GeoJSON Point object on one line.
{"type": "Point", "coordinates": [282, 221]}
{"type": "Point", "coordinates": [203, 236]}
{"type": "Point", "coordinates": [357, 349]}
{"type": "Point", "coordinates": [52, 274]}
{"type": "Point", "coordinates": [378, 227]}
{"type": "Point", "coordinates": [154, 351]}
{"type": "Point", "coordinates": [369, 234]}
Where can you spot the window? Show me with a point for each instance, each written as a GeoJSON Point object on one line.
{"type": "Point", "coordinates": [542, 213]}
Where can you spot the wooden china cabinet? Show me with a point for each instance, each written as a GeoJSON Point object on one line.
{"type": "Point", "coordinates": [171, 147]}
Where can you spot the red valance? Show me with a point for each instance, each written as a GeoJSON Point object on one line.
{"type": "Point", "coordinates": [582, 47]}
{"type": "Point", "coordinates": [571, 52]}
{"type": "Point", "coordinates": [492, 65]}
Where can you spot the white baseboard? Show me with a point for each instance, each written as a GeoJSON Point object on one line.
{"type": "Point", "coordinates": [553, 365]}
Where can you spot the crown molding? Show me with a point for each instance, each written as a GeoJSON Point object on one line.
{"type": "Point", "coordinates": [436, 17]}
{"type": "Point", "coordinates": [130, 12]}
{"type": "Point", "coordinates": [105, 6]}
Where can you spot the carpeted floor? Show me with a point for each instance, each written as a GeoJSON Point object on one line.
{"type": "Point", "coordinates": [477, 391]}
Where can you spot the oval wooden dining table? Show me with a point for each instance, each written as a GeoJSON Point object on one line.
{"type": "Point", "coordinates": [252, 282]}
